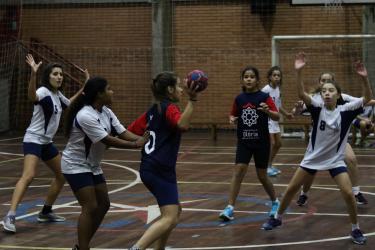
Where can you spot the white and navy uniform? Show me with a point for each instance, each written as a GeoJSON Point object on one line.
{"type": "Point", "coordinates": [326, 149]}
{"type": "Point", "coordinates": [44, 123]}
{"type": "Point", "coordinates": [84, 150]}
{"type": "Point", "coordinates": [274, 93]}
{"type": "Point", "coordinates": [368, 113]}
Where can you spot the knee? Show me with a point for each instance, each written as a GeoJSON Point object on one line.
{"type": "Point", "coordinates": [347, 193]}
{"type": "Point", "coordinates": [262, 178]}
{"type": "Point", "coordinates": [351, 161]}
{"type": "Point", "coordinates": [90, 208]}
{"type": "Point", "coordinates": [28, 178]}
{"type": "Point", "coordinates": [60, 179]}
{"type": "Point", "coordinates": [277, 144]}
{"type": "Point", "coordinates": [173, 221]}
{"type": "Point", "coordinates": [105, 206]}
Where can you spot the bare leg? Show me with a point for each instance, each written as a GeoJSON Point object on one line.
{"type": "Point", "coordinates": [267, 184]}
{"type": "Point", "coordinates": [343, 181]}
{"type": "Point", "coordinates": [95, 204]}
{"type": "Point", "coordinates": [162, 242]}
{"type": "Point", "coordinates": [58, 183]}
{"type": "Point", "coordinates": [300, 176]}
{"type": "Point", "coordinates": [237, 178]}
{"type": "Point", "coordinates": [160, 230]}
{"type": "Point", "coordinates": [351, 162]}
{"type": "Point", "coordinates": [276, 144]}
{"type": "Point", "coordinates": [30, 167]}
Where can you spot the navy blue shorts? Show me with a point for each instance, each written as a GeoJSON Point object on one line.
{"type": "Point", "coordinates": [333, 172]}
{"type": "Point", "coordinates": [356, 123]}
{"type": "Point", "coordinates": [244, 154]}
{"type": "Point", "coordinates": [77, 181]}
{"type": "Point", "coordinates": [45, 152]}
{"type": "Point", "coordinates": [164, 190]}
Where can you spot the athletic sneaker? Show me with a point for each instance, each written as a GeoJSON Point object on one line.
{"type": "Point", "coordinates": [302, 200]}
{"type": "Point", "coordinates": [276, 170]}
{"type": "Point", "coordinates": [358, 237]}
{"type": "Point", "coordinates": [361, 200]}
{"type": "Point", "coordinates": [9, 223]}
{"type": "Point", "coordinates": [271, 224]}
{"type": "Point", "coordinates": [272, 172]}
{"type": "Point", "coordinates": [275, 206]}
{"type": "Point", "coordinates": [50, 217]}
{"type": "Point", "coordinates": [227, 214]}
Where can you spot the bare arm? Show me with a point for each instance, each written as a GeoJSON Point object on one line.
{"type": "Point", "coordinates": [31, 93]}
{"type": "Point", "coordinates": [87, 77]}
{"type": "Point", "coordinates": [362, 72]}
{"type": "Point", "coordinates": [120, 143]}
{"type": "Point", "coordinates": [299, 63]}
{"type": "Point", "coordinates": [184, 121]}
{"type": "Point", "coordinates": [275, 116]}
{"type": "Point", "coordinates": [129, 136]}
{"type": "Point", "coordinates": [285, 113]}
{"type": "Point", "coordinates": [371, 103]}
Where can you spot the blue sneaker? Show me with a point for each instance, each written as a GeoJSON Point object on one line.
{"type": "Point", "coordinates": [227, 214]}
{"type": "Point", "coordinates": [271, 224]}
{"type": "Point", "coordinates": [278, 171]}
{"type": "Point", "coordinates": [275, 206]}
{"type": "Point", "coordinates": [271, 172]}
{"type": "Point", "coordinates": [358, 237]}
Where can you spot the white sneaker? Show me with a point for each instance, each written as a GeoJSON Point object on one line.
{"type": "Point", "coordinates": [9, 223]}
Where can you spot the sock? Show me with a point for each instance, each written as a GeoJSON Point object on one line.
{"type": "Point", "coordinates": [355, 190]}
{"type": "Point", "coordinates": [355, 226]}
{"type": "Point", "coordinates": [230, 206]}
{"type": "Point", "coordinates": [135, 247]}
{"type": "Point", "coordinates": [46, 209]}
{"type": "Point", "coordinates": [277, 200]}
{"type": "Point", "coordinates": [303, 193]}
{"type": "Point", "coordinates": [11, 213]}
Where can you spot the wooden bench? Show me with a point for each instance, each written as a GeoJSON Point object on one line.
{"type": "Point", "coordinates": [214, 126]}
{"type": "Point", "coordinates": [305, 124]}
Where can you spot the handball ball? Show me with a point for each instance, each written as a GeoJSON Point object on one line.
{"type": "Point", "coordinates": [199, 78]}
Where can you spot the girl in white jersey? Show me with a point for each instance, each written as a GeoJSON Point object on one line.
{"type": "Point", "coordinates": [49, 103]}
{"type": "Point", "coordinates": [91, 127]}
{"type": "Point", "coordinates": [274, 76]}
{"type": "Point", "coordinates": [350, 158]}
{"type": "Point", "coordinates": [326, 149]}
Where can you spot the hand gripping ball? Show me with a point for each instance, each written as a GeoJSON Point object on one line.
{"type": "Point", "coordinates": [199, 78]}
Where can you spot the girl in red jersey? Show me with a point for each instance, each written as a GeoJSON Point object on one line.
{"type": "Point", "coordinates": [158, 165]}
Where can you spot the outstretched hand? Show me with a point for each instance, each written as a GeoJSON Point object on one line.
{"type": "Point", "coordinates": [298, 107]}
{"type": "Point", "coordinates": [30, 61]}
{"type": "Point", "coordinates": [141, 141]}
{"type": "Point", "coordinates": [360, 68]}
{"type": "Point", "coordinates": [233, 119]}
{"type": "Point", "coordinates": [192, 90]}
{"type": "Point", "coordinates": [300, 61]}
{"type": "Point", "coordinates": [264, 107]}
{"type": "Point", "coordinates": [87, 75]}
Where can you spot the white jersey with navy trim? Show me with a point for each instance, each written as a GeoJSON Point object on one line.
{"type": "Point", "coordinates": [84, 150]}
{"type": "Point", "coordinates": [326, 149]}
{"type": "Point", "coordinates": [273, 126]}
{"type": "Point", "coordinates": [274, 94]}
{"type": "Point", "coordinates": [46, 116]}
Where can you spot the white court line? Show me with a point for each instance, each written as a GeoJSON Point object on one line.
{"type": "Point", "coordinates": [11, 139]}
{"type": "Point", "coordinates": [135, 182]}
{"type": "Point", "coordinates": [229, 247]}
{"type": "Point", "coordinates": [273, 245]}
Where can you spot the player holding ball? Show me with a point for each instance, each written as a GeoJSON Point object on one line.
{"type": "Point", "coordinates": [166, 123]}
